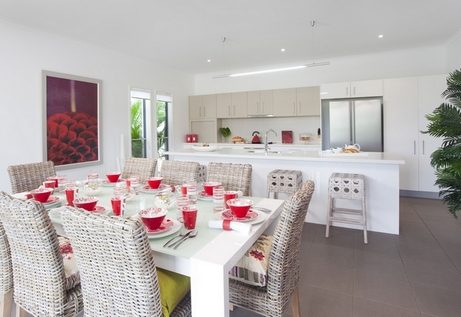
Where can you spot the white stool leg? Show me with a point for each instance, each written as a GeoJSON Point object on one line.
{"type": "Point", "coordinates": [364, 214]}
{"type": "Point", "coordinates": [329, 213]}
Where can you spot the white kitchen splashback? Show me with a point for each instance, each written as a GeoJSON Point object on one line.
{"type": "Point", "coordinates": [244, 127]}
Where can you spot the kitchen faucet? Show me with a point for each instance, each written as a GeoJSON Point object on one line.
{"type": "Point", "coordinates": [266, 143]}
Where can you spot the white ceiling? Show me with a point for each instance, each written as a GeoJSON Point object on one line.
{"type": "Point", "coordinates": [184, 34]}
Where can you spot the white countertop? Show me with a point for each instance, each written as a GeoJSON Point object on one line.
{"type": "Point", "coordinates": [293, 155]}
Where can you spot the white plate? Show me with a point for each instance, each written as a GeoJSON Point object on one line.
{"type": "Point", "coordinates": [174, 228]}
{"type": "Point", "coordinates": [106, 183]}
{"type": "Point", "coordinates": [260, 218]}
{"type": "Point", "coordinates": [204, 197]}
{"type": "Point", "coordinates": [201, 148]}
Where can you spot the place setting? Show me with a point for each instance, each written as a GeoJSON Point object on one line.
{"type": "Point", "coordinates": [44, 196]}
{"type": "Point", "coordinates": [154, 185]}
{"type": "Point", "coordinates": [157, 224]}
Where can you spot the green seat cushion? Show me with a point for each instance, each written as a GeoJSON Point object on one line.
{"type": "Point", "coordinates": [173, 288]}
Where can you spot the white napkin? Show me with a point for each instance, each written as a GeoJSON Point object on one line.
{"type": "Point", "coordinates": [266, 203]}
{"type": "Point", "coordinates": [234, 225]}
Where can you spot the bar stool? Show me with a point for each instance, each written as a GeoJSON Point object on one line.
{"type": "Point", "coordinates": [283, 181]}
{"type": "Point", "coordinates": [350, 187]}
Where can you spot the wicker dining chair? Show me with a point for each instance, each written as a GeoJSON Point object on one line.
{"type": "Point", "coordinates": [25, 177]}
{"type": "Point", "coordinates": [117, 268]}
{"type": "Point", "coordinates": [6, 276]}
{"type": "Point", "coordinates": [40, 285]}
{"type": "Point", "coordinates": [283, 269]}
{"type": "Point", "coordinates": [141, 167]}
{"type": "Point", "coordinates": [232, 176]}
{"type": "Point", "coordinates": [179, 172]}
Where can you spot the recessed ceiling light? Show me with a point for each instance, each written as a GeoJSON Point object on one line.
{"type": "Point", "coordinates": [282, 50]}
{"type": "Point", "coordinates": [380, 36]}
{"type": "Point", "coordinates": [208, 60]}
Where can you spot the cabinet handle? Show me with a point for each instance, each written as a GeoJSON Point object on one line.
{"type": "Point", "coordinates": [200, 112]}
{"type": "Point", "coordinates": [234, 110]}
{"type": "Point", "coordinates": [294, 107]}
{"type": "Point", "coordinates": [229, 111]}
{"type": "Point", "coordinates": [347, 91]}
{"type": "Point", "coordinates": [414, 147]}
{"type": "Point", "coordinates": [204, 112]}
{"type": "Point", "coordinates": [423, 148]}
{"type": "Point", "coordinates": [354, 91]}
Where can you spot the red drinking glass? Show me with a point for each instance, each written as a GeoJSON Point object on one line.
{"type": "Point", "coordinates": [70, 196]}
{"type": "Point", "coordinates": [116, 206]}
{"type": "Point", "coordinates": [189, 215]}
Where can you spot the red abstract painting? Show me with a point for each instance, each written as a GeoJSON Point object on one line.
{"type": "Point", "coordinates": [72, 125]}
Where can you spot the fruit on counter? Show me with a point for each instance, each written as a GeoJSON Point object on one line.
{"type": "Point", "coordinates": [355, 148]}
{"type": "Point", "coordinates": [238, 140]}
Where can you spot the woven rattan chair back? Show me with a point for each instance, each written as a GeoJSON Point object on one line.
{"type": "Point", "coordinates": [178, 172]}
{"type": "Point", "coordinates": [141, 167]}
{"type": "Point", "coordinates": [232, 176]}
{"type": "Point", "coordinates": [283, 271]}
{"type": "Point", "coordinates": [25, 177]}
{"type": "Point", "coordinates": [38, 270]}
{"type": "Point", "coordinates": [117, 269]}
{"type": "Point", "coordinates": [6, 271]}
{"type": "Point", "coordinates": [6, 275]}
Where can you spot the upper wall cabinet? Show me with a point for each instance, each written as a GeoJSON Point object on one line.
{"type": "Point", "coordinates": [232, 105]}
{"type": "Point", "coordinates": [354, 89]}
{"type": "Point", "coordinates": [260, 103]}
{"type": "Point", "coordinates": [202, 107]}
{"type": "Point", "coordinates": [297, 102]}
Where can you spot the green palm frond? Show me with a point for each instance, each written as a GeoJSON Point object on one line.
{"type": "Point", "coordinates": [445, 121]}
{"type": "Point", "coordinates": [453, 92]}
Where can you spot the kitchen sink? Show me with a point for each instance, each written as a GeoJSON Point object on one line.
{"type": "Point", "coordinates": [261, 151]}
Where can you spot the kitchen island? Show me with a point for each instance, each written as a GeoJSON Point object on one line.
{"type": "Point", "coordinates": [382, 172]}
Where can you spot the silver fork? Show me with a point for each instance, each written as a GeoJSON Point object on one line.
{"type": "Point", "coordinates": [192, 234]}
{"type": "Point", "coordinates": [180, 236]}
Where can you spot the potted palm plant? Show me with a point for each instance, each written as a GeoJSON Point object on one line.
{"type": "Point", "coordinates": [445, 122]}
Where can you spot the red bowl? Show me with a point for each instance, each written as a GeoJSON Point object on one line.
{"type": "Point", "coordinates": [87, 203]}
{"type": "Point", "coordinates": [41, 194]}
{"type": "Point", "coordinates": [239, 207]}
{"type": "Point", "coordinates": [208, 187]}
{"type": "Point", "coordinates": [154, 182]}
{"type": "Point", "coordinates": [153, 217]}
{"type": "Point", "coordinates": [113, 177]}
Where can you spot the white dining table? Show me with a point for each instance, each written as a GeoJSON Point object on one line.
{"type": "Point", "coordinates": [206, 258]}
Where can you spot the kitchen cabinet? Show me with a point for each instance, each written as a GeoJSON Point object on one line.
{"type": "Point", "coordinates": [202, 107]}
{"type": "Point", "coordinates": [354, 89]}
{"type": "Point", "coordinates": [303, 101]}
{"type": "Point", "coordinates": [260, 103]}
{"type": "Point", "coordinates": [232, 105]}
{"type": "Point", "coordinates": [406, 103]}
{"type": "Point", "coordinates": [308, 101]}
{"type": "Point", "coordinates": [285, 102]}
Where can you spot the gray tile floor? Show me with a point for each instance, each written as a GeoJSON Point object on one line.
{"type": "Point", "coordinates": [417, 273]}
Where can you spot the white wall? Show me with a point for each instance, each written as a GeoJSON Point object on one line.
{"type": "Point", "coordinates": [25, 52]}
{"type": "Point", "coordinates": [454, 53]}
{"type": "Point", "coordinates": [402, 63]}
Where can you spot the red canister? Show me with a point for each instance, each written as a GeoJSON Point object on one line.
{"type": "Point", "coordinates": [191, 138]}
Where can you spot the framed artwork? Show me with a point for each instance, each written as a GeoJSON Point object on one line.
{"type": "Point", "coordinates": [71, 120]}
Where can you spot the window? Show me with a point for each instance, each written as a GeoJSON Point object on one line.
{"type": "Point", "coordinates": [149, 127]}
{"type": "Point", "coordinates": [162, 127]}
{"type": "Point", "coordinates": [140, 105]}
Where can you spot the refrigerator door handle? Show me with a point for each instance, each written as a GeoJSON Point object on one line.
{"type": "Point", "coordinates": [414, 147]}
{"type": "Point", "coordinates": [352, 116]}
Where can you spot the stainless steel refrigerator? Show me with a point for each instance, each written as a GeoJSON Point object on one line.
{"type": "Point", "coordinates": [353, 121]}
